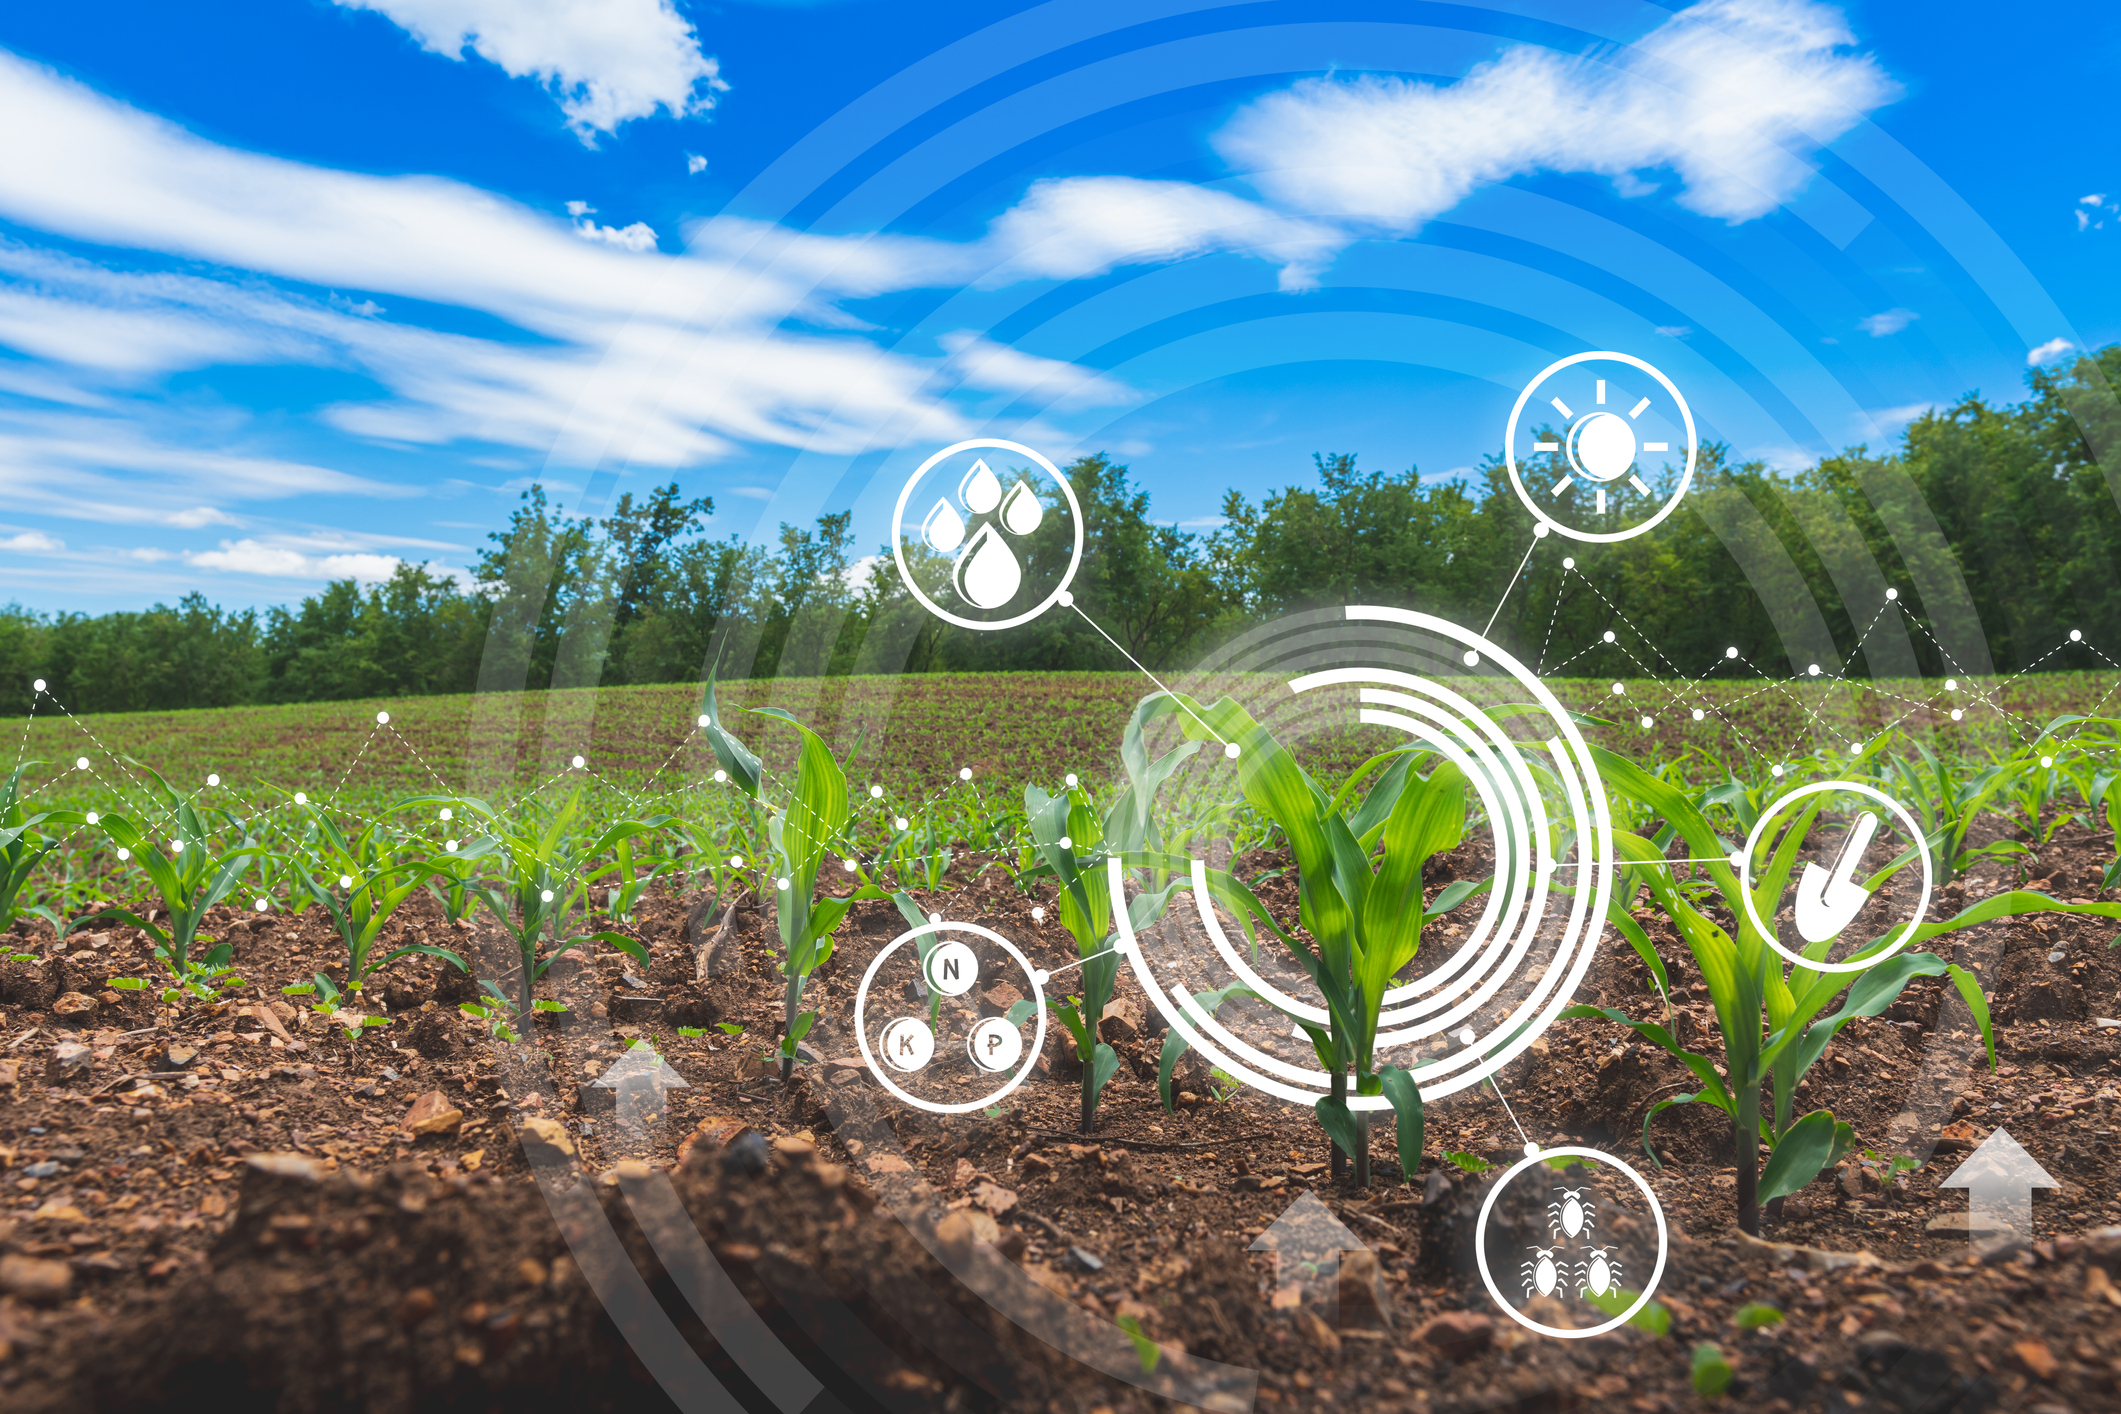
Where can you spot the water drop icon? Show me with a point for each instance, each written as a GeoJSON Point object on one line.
{"type": "Point", "coordinates": [979, 491]}
{"type": "Point", "coordinates": [944, 528]}
{"type": "Point", "coordinates": [1021, 511]}
{"type": "Point", "coordinates": [987, 572]}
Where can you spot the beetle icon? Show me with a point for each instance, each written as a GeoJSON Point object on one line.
{"type": "Point", "coordinates": [1599, 1274]}
{"type": "Point", "coordinates": [1540, 1273]}
{"type": "Point", "coordinates": [1570, 1215]}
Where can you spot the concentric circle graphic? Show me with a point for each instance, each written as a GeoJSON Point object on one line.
{"type": "Point", "coordinates": [1521, 958]}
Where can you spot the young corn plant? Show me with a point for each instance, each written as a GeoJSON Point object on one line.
{"type": "Point", "coordinates": [190, 872]}
{"type": "Point", "coordinates": [1771, 1015]}
{"type": "Point", "coordinates": [802, 834]}
{"type": "Point", "coordinates": [1071, 843]}
{"type": "Point", "coordinates": [330, 1003]}
{"type": "Point", "coordinates": [360, 883]}
{"type": "Point", "coordinates": [23, 847]}
{"type": "Point", "coordinates": [548, 859]}
{"type": "Point", "coordinates": [1360, 898]}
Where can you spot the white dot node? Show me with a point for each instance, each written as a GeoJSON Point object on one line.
{"type": "Point", "coordinates": [1539, 531]}
{"type": "Point", "coordinates": [964, 773]}
{"type": "Point", "coordinates": [1568, 562]}
{"type": "Point", "coordinates": [1957, 714]}
{"type": "Point", "coordinates": [545, 894]}
{"type": "Point", "coordinates": [1230, 750]}
{"type": "Point", "coordinates": [1812, 671]}
{"type": "Point", "coordinates": [1067, 600]}
{"type": "Point", "coordinates": [1610, 635]}
{"type": "Point", "coordinates": [736, 861]}
{"type": "Point", "coordinates": [1472, 657]}
{"type": "Point", "coordinates": [1619, 689]}
{"type": "Point", "coordinates": [1855, 748]}
{"type": "Point", "coordinates": [124, 853]}
{"type": "Point", "coordinates": [1699, 714]}
{"type": "Point", "coordinates": [1066, 843]}
{"type": "Point", "coordinates": [301, 797]}
{"type": "Point", "coordinates": [80, 763]}
{"type": "Point", "coordinates": [448, 814]}
{"type": "Point", "coordinates": [261, 905]}
{"type": "Point", "coordinates": [1038, 915]}
{"type": "Point", "coordinates": [1531, 1150]}
{"type": "Point", "coordinates": [1951, 684]}
{"type": "Point", "coordinates": [1892, 594]}
{"type": "Point", "coordinates": [848, 865]}
{"type": "Point", "coordinates": [1465, 1037]}
{"type": "Point", "coordinates": [1737, 859]}
{"type": "Point", "coordinates": [780, 883]}
{"type": "Point", "coordinates": [1775, 770]}
{"type": "Point", "coordinates": [382, 719]}
{"type": "Point", "coordinates": [38, 684]}
{"type": "Point", "coordinates": [2046, 761]}
{"type": "Point", "coordinates": [901, 823]}
{"type": "Point", "coordinates": [876, 792]}
{"type": "Point", "coordinates": [1730, 652]}
{"type": "Point", "coordinates": [579, 763]}
{"type": "Point", "coordinates": [720, 776]}
{"type": "Point", "coordinates": [1073, 781]}
{"type": "Point", "coordinates": [2076, 635]}
{"type": "Point", "coordinates": [935, 918]}
{"type": "Point", "coordinates": [450, 845]}
{"type": "Point", "coordinates": [1647, 723]}
{"type": "Point", "coordinates": [705, 720]}
{"type": "Point", "coordinates": [176, 846]}
{"type": "Point", "coordinates": [346, 881]}
{"type": "Point", "coordinates": [1041, 976]}
{"type": "Point", "coordinates": [213, 780]}
{"type": "Point", "coordinates": [93, 817]}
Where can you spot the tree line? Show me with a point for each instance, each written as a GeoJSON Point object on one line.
{"type": "Point", "coordinates": [2005, 499]}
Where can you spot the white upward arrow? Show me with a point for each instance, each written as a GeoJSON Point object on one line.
{"type": "Point", "coordinates": [1307, 1241]}
{"type": "Point", "coordinates": [1999, 1179]}
{"type": "Point", "coordinates": [640, 1077]}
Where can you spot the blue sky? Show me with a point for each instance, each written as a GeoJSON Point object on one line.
{"type": "Point", "coordinates": [295, 290]}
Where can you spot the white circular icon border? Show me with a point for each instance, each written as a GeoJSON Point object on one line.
{"type": "Point", "coordinates": [1031, 1052]}
{"type": "Point", "coordinates": [1752, 842]}
{"type": "Point", "coordinates": [898, 537]}
{"type": "Point", "coordinates": [1509, 450]}
{"type": "Point", "coordinates": [1480, 1243]}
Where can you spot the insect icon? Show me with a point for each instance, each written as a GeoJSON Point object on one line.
{"type": "Point", "coordinates": [1540, 1273]}
{"type": "Point", "coordinates": [1599, 1274]}
{"type": "Point", "coordinates": [1570, 1214]}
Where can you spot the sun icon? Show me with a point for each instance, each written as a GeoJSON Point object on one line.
{"type": "Point", "coordinates": [1603, 446]}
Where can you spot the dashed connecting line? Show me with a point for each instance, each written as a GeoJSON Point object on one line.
{"type": "Point", "coordinates": [1702, 706]}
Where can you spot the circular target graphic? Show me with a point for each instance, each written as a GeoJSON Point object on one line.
{"type": "Point", "coordinates": [1488, 985]}
{"type": "Point", "coordinates": [1570, 1255]}
{"type": "Point", "coordinates": [1829, 897]}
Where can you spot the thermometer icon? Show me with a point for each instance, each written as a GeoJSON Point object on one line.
{"type": "Point", "coordinates": [1827, 902]}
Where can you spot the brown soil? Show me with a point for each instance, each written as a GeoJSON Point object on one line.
{"type": "Point", "coordinates": [151, 1261]}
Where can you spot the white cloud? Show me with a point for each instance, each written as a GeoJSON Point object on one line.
{"type": "Point", "coordinates": [605, 61]}
{"type": "Point", "coordinates": [281, 562]}
{"type": "Point", "coordinates": [32, 542]}
{"type": "Point", "coordinates": [1726, 94]}
{"type": "Point", "coordinates": [981, 363]}
{"type": "Point", "coordinates": [752, 493]}
{"type": "Point", "coordinates": [2048, 352]}
{"type": "Point", "coordinates": [1886, 322]}
{"type": "Point", "coordinates": [2093, 210]}
{"type": "Point", "coordinates": [1887, 419]}
{"type": "Point", "coordinates": [694, 164]}
{"type": "Point", "coordinates": [1675, 331]}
